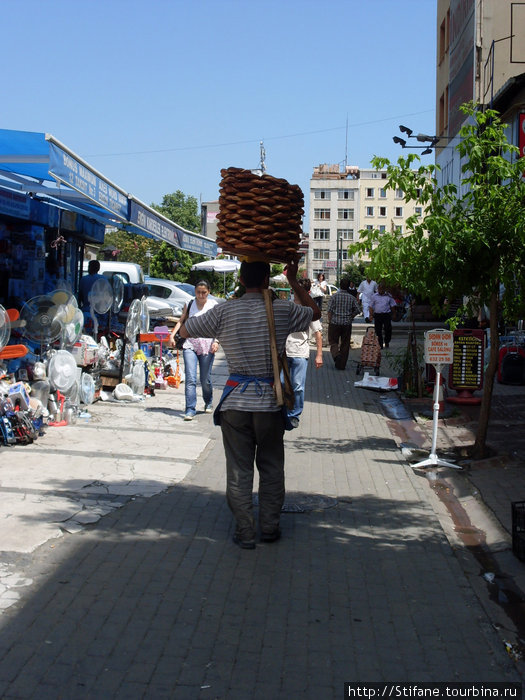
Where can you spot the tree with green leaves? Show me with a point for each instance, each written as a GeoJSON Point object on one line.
{"type": "Point", "coordinates": [170, 262]}
{"type": "Point", "coordinates": [470, 239]}
{"type": "Point", "coordinates": [157, 257]}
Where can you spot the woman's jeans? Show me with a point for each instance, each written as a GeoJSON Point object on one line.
{"type": "Point", "coordinates": [205, 362]}
{"type": "Point", "coordinates": [297, 367]}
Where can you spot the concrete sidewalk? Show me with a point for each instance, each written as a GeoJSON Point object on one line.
{"type": "Point", "coordinates": [369, 582]}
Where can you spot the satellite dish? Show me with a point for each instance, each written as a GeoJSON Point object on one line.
{"type": "Point", "coordinates": [38, 319]}
{"type": "Point", "coordinates": [133, 322]}
{"type": "Point", "coordinates": [118, 293]}
{"type": "Point", "coordinates": [5, 327]}
{"type": "Point", "coordinates": [62, 371]}
{"type": "Point", "coordinates": [144, 317]}
{"type": "Point", "coordinates": [87, 388]}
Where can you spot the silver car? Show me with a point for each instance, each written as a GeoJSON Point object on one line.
{"type": "Point", "coordinates": [172, 290]}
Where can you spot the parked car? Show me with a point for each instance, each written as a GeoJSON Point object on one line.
{"type": "Point", "coordinates": [135, 287]}
{"type": "Point", "coordinates": [331, 289]}
{"type": "Point", "coordinates": [172, 290]}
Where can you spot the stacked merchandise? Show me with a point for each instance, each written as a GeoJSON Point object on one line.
{"type": "Point", "coordinates": [259, 216]}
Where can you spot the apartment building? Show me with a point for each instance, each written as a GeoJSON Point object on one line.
{"type": "Point", "coordinates": [480, 57]}
{"type": "Point", "coordinates": [342, 202]}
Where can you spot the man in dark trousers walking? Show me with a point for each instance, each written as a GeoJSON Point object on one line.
{"type": "Point", "coordinates": [381, 304]}
{"type": "Point", "coordinates": [252, 423]}
{"type": "Point", "coordinates": [342, 309]}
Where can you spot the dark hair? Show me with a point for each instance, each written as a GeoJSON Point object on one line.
{"type": "Point", "coordinates": [253, 274]}
{"type": "Point", "coordinates": [344, 283]}
{"type": "Point", "coordinates": [319, 275]}
{"type": "Point", "coordinates": [305, 282]}
{"type": "Point", "coordinates": [93, 267]}
{"type": "Point", "coordinates": [203, 283]}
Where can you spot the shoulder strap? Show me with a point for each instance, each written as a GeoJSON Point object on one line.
{"type": "Point", "coordinates": [187, 314]}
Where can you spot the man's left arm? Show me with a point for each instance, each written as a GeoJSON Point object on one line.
{"type": "Point", "coordinates": [319, 348]}
{"type": "Point", "coordinates": [300, 292]}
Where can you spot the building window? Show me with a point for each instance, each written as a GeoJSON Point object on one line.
{"type": "Point", "coordinates": [322, 194]}
{"type": "Point", "coordinates": [418, 211]}
{"type": "Point", "coordinates": [345, 214]}
{"type": "Point", "coordinates": [321, 254]}
{"type": "Point", "coordinates": [399, 194]}
{"type": "Point", "coordinates": [370, 211]}
{"type": "Point", "coordinates": [346, 234]}
{"type": "Point", "coordinates": [345, 194]}
{"type": "Point", "coordinates": [418, 192]}
{"type": "Point", "coordinates": [382, 211]}
{"type": "Point", "coordinates": [382, 228]}
{"type": "Point", "coordinates": [399, 229]}
{"type": "Point", "coordinates": [321, 234]}
{"type": "Point", "coordinates": [344, 255]}
{"type": "Point", "coordinates": [369, 227]}
{"type": "Point", "coordinates": [369, 192]}
{"type": "Point", "coordinates": [399, 211]}
{"type": "Point", "coordinates": [322, 214]}
{"type": "Point", "coordinates": [382, 193]}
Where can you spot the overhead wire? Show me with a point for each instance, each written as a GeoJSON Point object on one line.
{"type": "Point", "coordinates": [266, 138]}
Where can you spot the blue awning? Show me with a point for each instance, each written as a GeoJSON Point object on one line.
{"type": "Point", "coordinates": [37, 163]}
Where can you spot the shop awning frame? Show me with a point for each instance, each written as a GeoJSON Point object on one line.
{"type": "Point", "coordinates": [31, 160]}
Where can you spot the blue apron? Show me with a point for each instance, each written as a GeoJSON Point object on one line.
{"type": "Point", "coordinates": [233, 381]}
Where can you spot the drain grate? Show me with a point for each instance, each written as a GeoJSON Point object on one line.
{"type": "Point", "coordinates": [303, 502]}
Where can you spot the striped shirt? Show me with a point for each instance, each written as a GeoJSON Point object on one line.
{"type": "Point", "coordinates": [241, 325]}
{"type": "Point", "coordinates": [343, 307]}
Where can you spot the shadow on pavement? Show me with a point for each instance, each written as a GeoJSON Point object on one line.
{"type": "Point", "coordinates": [157, 602]}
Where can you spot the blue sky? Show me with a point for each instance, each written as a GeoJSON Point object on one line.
{"type": "Point", "coordinates": [159, 95]}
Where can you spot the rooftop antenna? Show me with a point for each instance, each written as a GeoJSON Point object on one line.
{"type": "Point", "coordinates": [346, 142]}
{"type": "Point", "coordinates": [263, 156]}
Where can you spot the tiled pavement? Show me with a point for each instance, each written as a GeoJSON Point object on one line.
{"type": "Point", "coordinates": [366, 584]}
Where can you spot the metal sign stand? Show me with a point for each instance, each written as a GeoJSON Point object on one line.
{"type": "Point", "coordinates": [433, 460]}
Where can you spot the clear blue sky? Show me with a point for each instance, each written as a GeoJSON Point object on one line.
{"type": "Point", "coordinates": [159, 95]}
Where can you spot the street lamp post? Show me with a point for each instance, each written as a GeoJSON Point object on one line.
{"type": "Point", "coordinates": [339, 255]}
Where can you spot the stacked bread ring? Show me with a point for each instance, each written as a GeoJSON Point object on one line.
{"type": "Point", "coordinates": [259, 216]}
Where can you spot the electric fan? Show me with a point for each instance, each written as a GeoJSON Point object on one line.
{"type": "Point", "coordinates": [134, 320]}
{"type": "Point", "coordinates": [117, 283]}
{"type": "Point", "coordinates": [144, 317]}
{"type": "Point", "coordinates": [5, 327]}
{"type": "Point", "coordinates": [100, 300]}
{"type": "Point", "coordinates": [87, 389]}
{"type": "Point", "coordinates": [38, 319]}
{"type": "Point", "coordinates": [70, 317]}
{"type": "Point", "coordinates": [62, 372]}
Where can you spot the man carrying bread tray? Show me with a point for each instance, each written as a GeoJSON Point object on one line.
{"type": "Point", "coordinates": [251, 422]}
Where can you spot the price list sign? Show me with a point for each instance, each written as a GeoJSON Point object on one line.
{"type": "Point", "coordinates": [466, 371]}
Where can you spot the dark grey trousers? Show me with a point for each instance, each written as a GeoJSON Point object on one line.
{"type": "Point", "coordinates": [254, 438]}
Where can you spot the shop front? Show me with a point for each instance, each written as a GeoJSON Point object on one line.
{"type": "Point", "coordinates": [52, 205]}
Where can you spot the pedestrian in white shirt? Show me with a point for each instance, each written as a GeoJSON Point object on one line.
{"type": "Point", "coordinates": [366, 289]}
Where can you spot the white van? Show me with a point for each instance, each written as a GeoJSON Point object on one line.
{"type": "Point", "coordinates": [131, 273]}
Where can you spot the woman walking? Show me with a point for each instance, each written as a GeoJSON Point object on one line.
{"type": "Point", "coordinates": [319, 289]}
{"type": "Point", "coordinates": [197, 352]}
